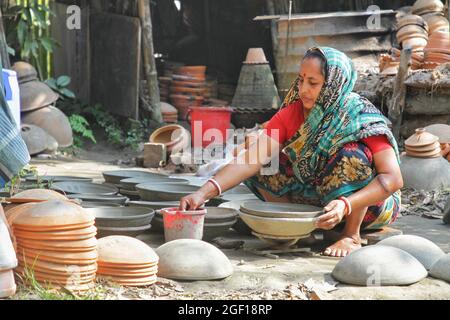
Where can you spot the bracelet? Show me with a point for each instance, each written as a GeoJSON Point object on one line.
{"type": "Point", "coordinates": [348, 205]}
{"type": "Point", "coordinates": [217, 185]}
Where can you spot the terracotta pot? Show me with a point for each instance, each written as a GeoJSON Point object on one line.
{"type": "Point", "coordinates": [25, 72]}
{"type": "Point", "coordinates": [410, 30]}
{"type": "Point", "coordinates": [189, 84]}
{"type": "Point", "coordinates": [7, 284]}
{"type": "Point", "coordinates": [425, 6]}
{"type": "Point", "coordinates": [178, 77]}
{"type": "Point", "coordinates": [46, 118]}
{"type": "Point", "coordinates": [415, 43]}
{"type": "Point", "coordinates": [175, 137]}
{"type": "Point", "coordinates": [193, 69]}
{"type": "Point", "coordinates": [35, 95]}
{"type": "Point", "coordinates": [411, 19]}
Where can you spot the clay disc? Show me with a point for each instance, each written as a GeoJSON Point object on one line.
{"type": "Point", "coordinates": [53, 228]}
{"type": "Point", "coordinates": [131, 282]}
{"type": "Point", "coordinates": [44, 266]}
{"type": "Point", "coordinates": [51, 215]}
{"type": "Point", "coordinates": [430, 154]}
{"type": "Point", "coordinates": [46, 237]}
{"type": "Point", "coordinates": [60, 277]}
{"type": "Point", "coordinates": [127, 250]}
{"type": "Point", "coordinates": [125, 274]}
{"type": "Point", "coordinates": [125, 265]}
{"type": "Point", "coordinates": [39, 246]}
{"type": "Point", "coordinates": [61, 258]}
{"type": "Point", "coordinates": [78, 244]}
{"type": "Point", "coordinates": [431, 147]}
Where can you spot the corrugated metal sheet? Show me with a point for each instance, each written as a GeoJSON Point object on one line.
{"type": "Point", "coordinates": [345, 31]}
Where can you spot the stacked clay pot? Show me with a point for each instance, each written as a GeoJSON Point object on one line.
{"type": "Point", "coordinates": [169, 113]}
{"type": "Point", "coordinates": [36, 104]}
{"type": "Point", "coordinates": [423, 144]}
{"type": "Point", "coordinates": [56, 244]}
{"type": "Point", "coordinates": [126, 261]}
{"type": "Point", "coordinates": [437, 51]}
{"type": "Point", "coordinates": [423, 7]}
{"type": "Point", "coordinates": [412, 32]}
{"type": "Point", "coordinates": [188, 88]}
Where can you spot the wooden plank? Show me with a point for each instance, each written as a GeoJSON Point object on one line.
{"type": "Point", "coordinates": [115, 63]}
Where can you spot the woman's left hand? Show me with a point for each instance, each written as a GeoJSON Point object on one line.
{"type": "Point", "coordinates": [334, 213]}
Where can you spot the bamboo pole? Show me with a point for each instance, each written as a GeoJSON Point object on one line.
{"type": "Point", "coordinates": [149, 60]}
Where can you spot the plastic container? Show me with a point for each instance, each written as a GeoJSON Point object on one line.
{"type": "Point", "coordinates": [209, 125]}
{"type": "Point", "coordinates": [183, 224]}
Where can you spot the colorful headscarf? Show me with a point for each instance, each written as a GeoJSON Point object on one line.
{"type": "Point", "coordinates": [339, 116]}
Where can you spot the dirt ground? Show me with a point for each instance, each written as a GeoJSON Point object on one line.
{"type": "Point", "coordinates": [303, 275]}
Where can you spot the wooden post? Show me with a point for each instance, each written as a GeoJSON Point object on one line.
{"type": "Point", "coordinates": [397, 104]}
{"type": "Point", "coordinates": [149, 60]}
{"type": "Point", "coordinates": [3, 45]}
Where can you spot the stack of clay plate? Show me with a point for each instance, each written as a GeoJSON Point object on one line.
{"type": "Point", "coordinates": [412, 32]}
{"type": "Point", "coordinates": [423, 144]}
{"type": "Point", "coordinates": [126, 261]}
{"type": "Point", "coordinates": [438, 49]}
{"type": "Point", "coordinates": [56, 244]}
{"type": "Point", "coordinates": [188, 88]}
{"type": "Point", "coordinates": [212, 91]}
{"type": "Point", "coordinates": [169, 113]}
{"type": "Point", "coordinates": [164, 88]}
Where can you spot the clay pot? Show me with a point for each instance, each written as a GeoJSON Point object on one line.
{"type": "Point", "coordinates": [409, 31]}
{"type": "Point", "coordinates": [188, 91]}
{"type": "Point", "coordinates": [189, 84]}
{"type": "Point", "coordinates": [436, 22]}
{"type": "Point", "coordinates": [256, 56]}
{"type": "Point", "coordinates": [173, 136]}
{"type": "Point", "coordinates": [46, 118]}
{"type": "Point", "coordinates": [426, 6]}
{"type": "Point", "coordinates": [35, 95]}
{"type": "Point", "coordinates": [36, 139]}
{"type": "Point", "coordinates": [415, 43]}
{"type": "Point", "coordinates": [411, 19]}
{"type": "Point", "coordinates": [25, 72]}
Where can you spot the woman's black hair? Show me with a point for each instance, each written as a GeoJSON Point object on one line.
{"type": "Point", "coordinates": [315, 53]}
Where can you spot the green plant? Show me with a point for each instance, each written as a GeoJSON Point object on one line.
{"type": "Point", "coordinates": [27, 29]}
{"type": "Point", "coordinates": [60, 86]}
{"type": "Point", "coordinates": [14, 185]}
{"type": "Point", "coordinates": [81, 129]}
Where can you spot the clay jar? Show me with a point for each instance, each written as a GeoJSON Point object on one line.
{"type": "Point", "coordinates": [175, 137]}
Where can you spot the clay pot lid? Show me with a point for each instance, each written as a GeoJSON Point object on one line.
{"type": "Point", "coordinates": [58, 245]}
{"type": "Point", "coordinates": [125, 250]}
{"type": "Point", "coordinates": [429, 154]}
{"type": "Point", "coordinates": [440, 130]}
{"type": "Point", "coordinates": [35, 95]}
{"type": "Point", "coordinates": [415, 43]}
{"type": "Point", "coordinates": [58, 255]}
{"type": "Point", "coordinates": [422, 6]}
{"type": "Point", "coordinates": [46, 118]}
{"type": "Point", "coordinates": [25, 71]}
{"type": "Point", "coordinates": [35, 138]}
{"type": "Point", "coordinates": [52, 213]}
{"type": "Point", "coordinates": [427, 148]}
{"type": "Point", "coordinates": [404, 31]}
{"type": "Point", "coordinates": [394, 267]}
{"type": "Point", "coordinates": [188, 259]}
{"type": "Point", "coordinates": [256, 56]}
{"type": "Point", "coordinates": [70, 235]}
{"type": "Point", "coordinates": [421, 138]}
{"type": "Point", "coordinates": [38, 194]}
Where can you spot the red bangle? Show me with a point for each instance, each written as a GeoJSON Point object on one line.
{"type": "Point", "coordinates": [348, 205]}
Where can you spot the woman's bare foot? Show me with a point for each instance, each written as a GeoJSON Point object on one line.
{"type": "Point", "coordinates": [343, 247]}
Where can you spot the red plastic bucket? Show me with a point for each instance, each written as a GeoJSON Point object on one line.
{"type": "Point", "coordinates": [183, 224]}
{"type": "Point", "coordinates": [209, 125]}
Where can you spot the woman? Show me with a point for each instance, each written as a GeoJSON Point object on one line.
{"type": "Point", "coordinates": [337, 151]}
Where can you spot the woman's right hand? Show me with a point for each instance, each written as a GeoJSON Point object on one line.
{"type": "Point", "coordinates": [192, 201]}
